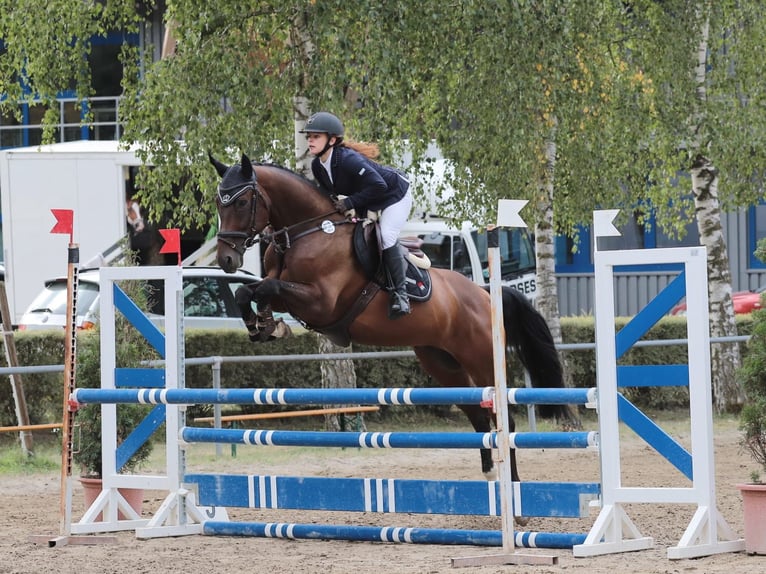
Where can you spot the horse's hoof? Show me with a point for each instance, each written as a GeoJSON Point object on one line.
{"type": "Point", "coordinates": [521, 520]}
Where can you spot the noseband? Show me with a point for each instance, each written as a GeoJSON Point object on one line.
{"type": "Point", "coordinates": [225, 199]}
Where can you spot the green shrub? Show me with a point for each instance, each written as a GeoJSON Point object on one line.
{"type": "Point", "coordinates": [753, 378]}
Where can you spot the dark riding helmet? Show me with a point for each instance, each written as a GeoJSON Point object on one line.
{"type": "Point", "coordinates": [324, 122]}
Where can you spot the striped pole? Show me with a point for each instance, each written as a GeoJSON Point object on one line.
{"type": "Point", "coordinates": [402, 535]}
{"type": "Point", "coordinates": [393, 396]}
{"type": "Point", "coordinates": [388, 396]}
{"type": "Point", "coordinates": [467, 440]}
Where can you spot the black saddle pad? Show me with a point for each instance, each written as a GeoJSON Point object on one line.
{"type": "Point", "coordinates": [366, 249]}
{"type": "Point", "coordinates": [418, 283]}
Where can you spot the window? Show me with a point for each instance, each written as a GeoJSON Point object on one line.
{"type": "Point", "coordinates": [106, 74]}
{"type": "Point", "coordinates": [10, 135]}
{"type": "Point", "coordinates": [574, 256]}
{"type": "Point", "coordinates": [690, 238]}
{"type": "Point", "coordinates": [517, 254]}
{"type": "Point", "coordinates": [203, 298]}
{"type": "Point", "coordinates": [439, 249]}
{"type": "Point", "coordinates": [633, 236]}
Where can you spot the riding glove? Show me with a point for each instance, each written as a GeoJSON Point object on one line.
{"type": "Point", "coordinates": [340, 206]}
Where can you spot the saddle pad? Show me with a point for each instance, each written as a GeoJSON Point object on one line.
{"type": "Point", "coordinates": [418, 282]}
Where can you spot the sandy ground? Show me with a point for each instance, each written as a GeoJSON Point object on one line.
{"type": "Point", "coordinates": [30, 507]}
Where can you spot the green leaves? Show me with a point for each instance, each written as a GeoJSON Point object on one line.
{"type": "Point", "coordinates": [490, 82]}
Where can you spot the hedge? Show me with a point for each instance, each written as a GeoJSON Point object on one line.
{"type": "Point", "coordinates": [44, 400]}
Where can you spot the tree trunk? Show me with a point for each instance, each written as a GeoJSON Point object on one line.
{"type": "Point", "coordinates": [547, 291]}
{"type": "Point", "coordinates": [725, 358]}
{"type": "Point", "coordinates": [336, 374]}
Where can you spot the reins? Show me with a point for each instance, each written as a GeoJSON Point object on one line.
{"type": "Point", "coordinates": [252, 236]}
{"type": "Point", "coordinates": [285, 231]}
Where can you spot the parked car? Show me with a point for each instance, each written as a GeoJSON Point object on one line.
{"type": "Point", "coordinates": [744, 302]}
{"type": "Point", "coordinates": [208, 301]}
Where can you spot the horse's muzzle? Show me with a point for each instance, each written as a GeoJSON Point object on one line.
{"type": "Point", "coordinates": [229, 261]}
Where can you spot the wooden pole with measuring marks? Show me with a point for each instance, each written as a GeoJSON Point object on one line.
{"type": "Point", "coordinates": [507, 216]}
{"type": "Point", "coordinates": [65, 224]}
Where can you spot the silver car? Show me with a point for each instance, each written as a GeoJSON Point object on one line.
{"type": "Point", "coordinates": [208, 301]}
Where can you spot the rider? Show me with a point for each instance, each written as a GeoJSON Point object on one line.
{"type": "Point", "coordinates": [347, 169]}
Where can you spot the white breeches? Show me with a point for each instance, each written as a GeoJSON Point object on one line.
{"type": "Point", "coordinates": [393, 218]}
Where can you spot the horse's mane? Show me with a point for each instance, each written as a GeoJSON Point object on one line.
{"type": "Point", "coordinates": [295, 174]}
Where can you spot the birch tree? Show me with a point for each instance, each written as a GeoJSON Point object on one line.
{"type": "Point", "coordinates": [702, 133]}
{"type": "Point", "coordinates": [572, 104]}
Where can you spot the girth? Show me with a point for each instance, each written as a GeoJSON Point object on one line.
{"type": "Point", "coordinates": [338, 332]}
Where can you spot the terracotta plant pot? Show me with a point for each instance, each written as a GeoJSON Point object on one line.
{"type": "Point", "coordinates": [754, 506]}
{"type": "Point", "coordinates": [92, 488]}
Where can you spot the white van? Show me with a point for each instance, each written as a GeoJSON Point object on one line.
{"type": "Point", "coordinates": [465, 251]}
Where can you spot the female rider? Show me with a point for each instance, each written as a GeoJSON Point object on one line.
{"type": "Point", "coordinates": [348, 169]}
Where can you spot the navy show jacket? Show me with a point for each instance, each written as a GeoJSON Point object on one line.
{"type": "Point", "coordinates": [368, 184]}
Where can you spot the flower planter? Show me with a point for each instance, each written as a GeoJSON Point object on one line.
{"type": "Point", "coordinates": [754, 507]}
{"type": "Point", "coordinates": [92, 488]}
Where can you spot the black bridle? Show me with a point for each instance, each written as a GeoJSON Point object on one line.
{"type": "Point", "coordinates": [252, 236]}
{"type": "Point", "coordinates": [249, 238]}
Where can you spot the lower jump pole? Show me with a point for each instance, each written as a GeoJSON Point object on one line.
{"type": "Point", "coordinates": [467, 440]}
{"type": "Point", "coordinates": [403, 535]}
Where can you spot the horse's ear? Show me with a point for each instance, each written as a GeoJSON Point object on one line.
{"type": "Point", "coordinates": [247, 167]}
{"type": "Point", "coordinates": [219, 167]}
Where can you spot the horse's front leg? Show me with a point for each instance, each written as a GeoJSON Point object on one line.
{"type": "Point", "coordinates": [261, 324]}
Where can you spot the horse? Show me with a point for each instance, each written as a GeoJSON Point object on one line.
{"type": "Point", "coordinates": [312, 272]}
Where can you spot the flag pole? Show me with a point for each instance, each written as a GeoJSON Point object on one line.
{"type": "Point", "coordinates": [65, 224]}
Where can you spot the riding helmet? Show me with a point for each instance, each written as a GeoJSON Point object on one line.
{"type": "Point", "coordinates": [324, 122]}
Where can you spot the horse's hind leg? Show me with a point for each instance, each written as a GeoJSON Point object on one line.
{"type": "Point", "coordinates": [449, 373]}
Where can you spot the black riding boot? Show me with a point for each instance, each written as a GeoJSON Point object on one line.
{"type": "Point", "coordinates": [396, 270]}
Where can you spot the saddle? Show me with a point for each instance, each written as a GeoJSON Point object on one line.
{"type": "Point", "coordinates": [366, 239]}
{"type": "Point", "coordinates": [369, 254]}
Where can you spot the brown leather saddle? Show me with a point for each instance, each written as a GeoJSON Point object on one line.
{"type": "Point", "coordinates": [368, 253]}
{"type": "Point", "coordinates": [366, 239]}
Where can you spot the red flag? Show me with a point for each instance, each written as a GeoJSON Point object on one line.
{"type": "Point", "coordinates": [64, 222]}
{"type": "Point", "coordinates": [172, 239]}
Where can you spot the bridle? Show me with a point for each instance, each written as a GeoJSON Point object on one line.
{"type": "Point", "coordinates": [225, 198]}
{"type": "Point", "coordinates": [249, 238]}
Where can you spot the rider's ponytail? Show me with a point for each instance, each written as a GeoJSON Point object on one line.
{"type": "Point", "coordinates": [370, 150]}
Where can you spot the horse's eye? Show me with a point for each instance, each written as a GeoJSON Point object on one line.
{"type": "Point", "coordinates": [242, 202]}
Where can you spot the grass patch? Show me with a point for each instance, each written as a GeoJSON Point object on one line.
{"type": "Point", "coordinates": [47, 448]}
{"type": "Point", "coordinates": [45, 458]}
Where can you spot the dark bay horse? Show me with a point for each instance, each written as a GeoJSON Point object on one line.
{"type": "Point", "coordinates": [312, 272]}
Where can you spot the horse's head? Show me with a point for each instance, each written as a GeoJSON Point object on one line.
{"type": "Point", "coordinates": [240, 218]}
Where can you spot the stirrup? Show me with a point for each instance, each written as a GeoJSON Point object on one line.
{"type": "Point", "coordinates": [398, 307]}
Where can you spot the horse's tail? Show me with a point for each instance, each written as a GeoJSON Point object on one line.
{"type": "Point", "coordinates": [527, 334]}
